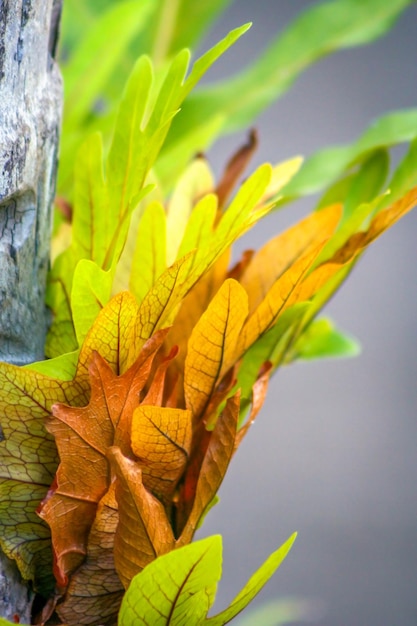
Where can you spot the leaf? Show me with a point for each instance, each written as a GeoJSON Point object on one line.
{"type": "Point", "coordinates": [380, 223]}
{"type": "Point", "coordinates": [212, 345]}
{"type": "Point", "coordinates": [275, 257]}
{"type": "Point", "coordinates": [323, 340]}
{"type": "Point", "coordinates": [318, 31]}
{"type": "Point", "coordinates": [161, 442]}
{"type": "Point", "coordinates": [206, 470]}
{"type": "Point", "coordinates": [95, 588]}
{"type": "Point", "coordinates": [150, 258]}
{"type": "Point", "coordinates": [182, 25]}
{"type": "Point", "coordinates": [404, 177]}
{"type": "Point", "coordinates": [368, 181]}
{"type": "Point", "coordinates": [196, 182]}
{"type": "Point", "coordinates": [285, 291]}
{"type": "Point", "coordinates": [94, 60]}
{"type": "Point", "coordinates": [327, 165]}
{"type": "Point", "coordinates": [91, 66]}
{"type": "Point", "coordinates": [253, 586]}
{"type": "Point", "coordinates": [144, 531]}
{"type": "Point", "coordinates": [91, 231]}
{"type": "Point", "coordinates": [90, 292]}
{"type": "Point", "coordinates": [177, 588]}
{"type": "Point", "coordinates": [86, 433]}
{"type": "Point", "coordinates": [28, 461]}
{"type": "Point", "coordinates": [269, 347]}
{"type": "Point", "coordinates": [163, 299]}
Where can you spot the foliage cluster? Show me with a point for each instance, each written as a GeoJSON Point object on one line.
{"type": "Point", "coordinates": [160, 352]}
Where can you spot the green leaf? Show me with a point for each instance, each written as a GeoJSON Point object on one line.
{"type": "Point", "coordinates": [319, 31]}
{"type": "Point", "coordinates": [368, 181]}
{"type": "Point", "coordinates": [181, 24]}
{"type": "Point", "coordinates": [149, 258]}
{"type": "Point", "coordinates": [404, 177]}
{"type": "Point", "coordinates": [62, 367]}
{"type": "Point", "coordinates": [90, 292]}
{"type": "Point", "coordinates": [324, 167]}
{"type": "Point", "coordinates": [321, 340]}
{"type": "Point", "coordinates": [254, 585]}
{"type": "Point", "coordinates": [270, 347]}
{"type": "Point", "coordinates": [91, 230]}
{"type": "Point", "coordinates": [202, 64]}
{"type": "Point", "coordinates": [94, 60]}
{"type": "Point", "coordinates": [177, 588]}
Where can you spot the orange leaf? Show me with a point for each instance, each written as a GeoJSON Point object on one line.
{"type": "Point", "coordinates": [83, 436]}
{"type": "Point", "coordinates": [207, 470]}
{"type": "Point", "coordinates": [161, 441]}
{"type": "Point", "coordinates": [279, 254]}
{"type": "Point", "coordinates": [144, 531]}
{"type": "Point", "coordinates": [95, 588]}
{"type": "Point", "coordinates": [380, 223]}
{"type": "Point", "coordinates": [283, 293]}
{"type": "Point", "coordinates": [212, 345]}
{"type": "Point", "coordinates": [192, 308]}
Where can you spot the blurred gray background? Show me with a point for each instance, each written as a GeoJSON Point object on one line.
{"type": "Point", "coordinates": [333, 454]}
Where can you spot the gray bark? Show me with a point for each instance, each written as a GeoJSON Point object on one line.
{"type": "Point", "coordinates": [30, 113]}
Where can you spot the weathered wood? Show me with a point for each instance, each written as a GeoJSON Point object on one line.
{"type": "Point", "coordinates": [30, 113]}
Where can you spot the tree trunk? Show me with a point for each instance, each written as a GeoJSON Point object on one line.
{"type": "Point", "coordinates": [30, 113]}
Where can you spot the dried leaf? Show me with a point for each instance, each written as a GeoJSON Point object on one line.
{"type": "Point", "coordinates": [83, 436]}
{"type": "Point", "coordinates": [144, 531]}
{"type": "Point", "coordinates": [95, 588]}
{"type": "Point", "coordinates": [207, 470]}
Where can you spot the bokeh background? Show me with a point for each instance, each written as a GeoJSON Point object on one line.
{"type": "Point", "coordinates": [333, 454]}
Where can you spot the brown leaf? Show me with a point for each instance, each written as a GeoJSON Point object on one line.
{"type": "Point", "coordinates": [95, 591]}
{"type": "Point", "coordinates": [207, 469]}
{"type": "Point", "coordinates": [83, 436]}
{"type": "Point", "coordinates": [235, 168]}
{"type": "Point", "coordinates": [144, 531]}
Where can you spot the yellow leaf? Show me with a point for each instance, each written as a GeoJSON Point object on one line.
{"type": "Point", "coordinates": [161, 302]}
{"type": "Point", "coordinates": [112, 334]}
{"type": "Point", "coordinates": [280, 253]}
{"type": "Point", "coordinates": [196, 182]}
{"type": "Point", "coordinates": [161, 441]}
{"type": "Point", "coordinates": [281, 175]}
{"type": "Point", "coordinates": [283, 293]}
{"type": "Point", "coordinates": [212, 344]}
